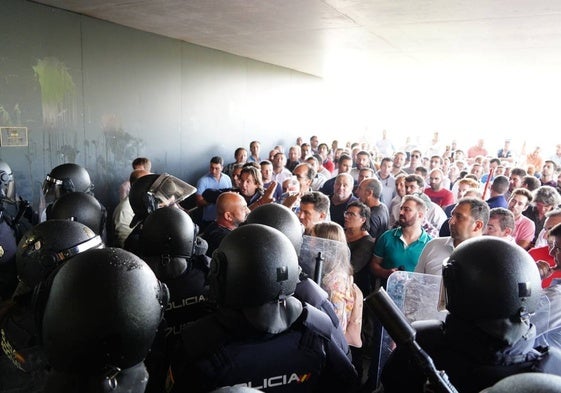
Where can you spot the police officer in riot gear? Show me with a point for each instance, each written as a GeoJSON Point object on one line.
{"type": "Point", "coordinates": [40, 252]}
{"type": "Point", "coordinates": [491, 287]}
{"type": "Point", "coordinates": [13, 208]}
{"type": "Point", "coordinates": [283, 219]}
{"type": "Point", "coordinates": [15, 219]}
{"type": "Point", "coordinates": [170, 246]}
{"type": "Point", "coordinates": [261, 336]}
{"type": "Point", "coordinates": [149, 193]}
{"type": "Point", "coordinates": [101, 315]}
{"type": "Point", "coordinates": [64, 179]}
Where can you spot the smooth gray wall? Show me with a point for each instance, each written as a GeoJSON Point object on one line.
{"type": "Point", "coordinates": [100, 94]}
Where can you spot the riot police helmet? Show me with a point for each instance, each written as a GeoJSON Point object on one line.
{"type": "Point", "coordinates": [153, 191]}
{"type": "Point", "coordinates": [48, 245]}
{"type": "Point", "coordinates": [102, 312]}
{"type": "Point", "coordinates": [279, 217]}
{"type": "Point", "coordinates": [254, 265]}
{"type": "Point", "coordinates": [64, 179]}
{"type": "Point", "coordinates": [527, 383]}
{"type": "Point", "coordinates": [81, 207]}
{"type": "Point", "coordinates": [7, 185]}
{"type": "Point", "coordinates": [487, 278]}
{"type": "Point", "coordinates": [168, 241]}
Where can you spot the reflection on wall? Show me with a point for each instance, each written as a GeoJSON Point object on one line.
{"type": "Point", "coordinates": [58, 93]}
{"type": "Point", "coordinates": [100, 94]}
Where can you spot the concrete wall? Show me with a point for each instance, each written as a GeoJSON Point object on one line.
{"type": "Point", "coordinates": [100, 94]}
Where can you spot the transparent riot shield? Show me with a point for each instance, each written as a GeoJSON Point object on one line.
{"type": "Point", "coordinates": [319, 256]}
{"type": "Point", "coordinates": [168, 189]}
{"type": "Point", "coordinates": [546, 334]}
{"type": "Point", "coordinates": [417, 296]}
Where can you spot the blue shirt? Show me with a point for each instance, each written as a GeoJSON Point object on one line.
{"type": "Point", "coordinates": [391, 248]}
{"type": "Point", "coordinates": [498, 201]}
{"type": "Point", "coordinates": [209, 182]}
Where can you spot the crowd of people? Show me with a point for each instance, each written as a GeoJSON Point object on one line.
{"type": "Point", "coordinates": [260, 281]}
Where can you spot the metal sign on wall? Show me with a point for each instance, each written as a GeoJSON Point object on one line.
{"type": "Point", "coordinates": [13, 136]}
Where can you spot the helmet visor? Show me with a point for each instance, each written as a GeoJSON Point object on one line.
{"type": "Point", "coordinates": [8, 191]}
{"type": "Point", "coordinates": [168, 190]}
{"type": "Point", "coordinates": [51, 188]}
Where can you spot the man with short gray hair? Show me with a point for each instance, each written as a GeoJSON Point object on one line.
{"type": "Point", "coordinates": [369, 192]}
{"type": "Point", "coordinates": [342, 196]}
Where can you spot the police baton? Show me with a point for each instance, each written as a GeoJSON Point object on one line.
{"type": "Point", "coordinates": [403, 334]}
{"type": "Point", "coordinates": [318, 272]}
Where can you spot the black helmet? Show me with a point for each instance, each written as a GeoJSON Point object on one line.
{"type": "Point", "coordinates": [167, 241]}
{"type": "Point", "coordinates": [140, 200]}
{"type": "Point", "coordinates": [81, 207]}
{"type": "Point", "coordinates": [150, 192]}
{"type": "Point", "coordinates": [64, 179]}
{"type": "Point", "coordinates": [7, 185]}
{"type": "Point", "coordinates": [526, 383]}
{"type": "Point", "coordinates": [487, 278]}
{"type": "Point", "coordinates": [102, 312]}
{"type": "Point", "coordinates": [279, 217]}
{"type": "Point", "coordinates": [254, 265]}
{"type": "Point", "coordinates": [49, 244]}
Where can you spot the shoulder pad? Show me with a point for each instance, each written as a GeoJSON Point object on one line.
{"type": "Point", "coordinates": [201, 262]}
{"type": "Point", "coordinates": [430, 331]}
{"type": "Point", "coordinates": [310, 292]}
{"type": "Point", "coordinates": [317, 321]}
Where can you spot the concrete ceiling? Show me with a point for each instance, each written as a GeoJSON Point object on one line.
{"type": "Point", "coordinates": [323, 37]}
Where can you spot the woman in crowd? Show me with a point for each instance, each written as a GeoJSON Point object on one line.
{"type": "Point", "coordinates": [337, 280]}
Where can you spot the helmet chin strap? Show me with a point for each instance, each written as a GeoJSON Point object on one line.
{"type": "Point", "coordinates": [509, 330]}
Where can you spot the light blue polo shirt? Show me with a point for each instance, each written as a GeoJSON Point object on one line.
{"type": "Point", "coordinates": [391, 248]}
{"type": "Point", "coordinates": [209, 182]}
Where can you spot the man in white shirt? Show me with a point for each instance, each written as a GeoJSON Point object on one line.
{"type": "Point", "coordinates": [469, 219]}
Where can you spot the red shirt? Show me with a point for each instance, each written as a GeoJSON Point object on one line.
{"type": "Point", "coordinates": [442, 198]}
{"type": "Point", "coordinates": [542, 253]}
{"type": "Point", "coordinates": [329, 165]}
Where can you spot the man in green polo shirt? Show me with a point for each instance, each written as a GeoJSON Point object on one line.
{"type": "Point", "coordinates": [399, 248]}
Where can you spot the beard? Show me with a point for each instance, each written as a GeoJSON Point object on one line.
{"type": "Point", "coordinates": [404, 222]}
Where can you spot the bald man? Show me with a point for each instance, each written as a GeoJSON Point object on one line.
{"type": "Point", "coordinates": [231, 211]}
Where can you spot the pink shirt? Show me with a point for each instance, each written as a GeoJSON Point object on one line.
{"type": "Point", "coordinates": [524, 229]}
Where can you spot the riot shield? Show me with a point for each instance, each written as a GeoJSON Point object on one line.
{"type": "Point", "coordinates": [417, 296]}
{"type": "Point", "coordinates": [546, 335]}
{"type": "Point", "coordinates": [319, 255]}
